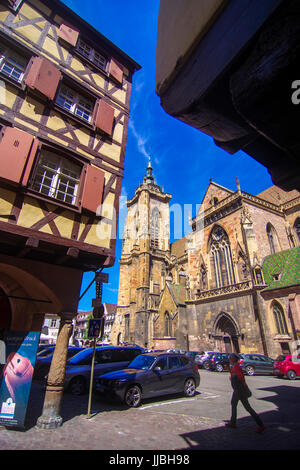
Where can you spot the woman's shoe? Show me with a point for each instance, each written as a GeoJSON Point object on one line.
{"type": "Point", "coordinates": [260, 429]}
{"type": "Point", "coordinates": [229, 424]}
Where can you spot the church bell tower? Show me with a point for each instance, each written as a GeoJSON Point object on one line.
{"type": "Point", "coordinates": [145, 253]}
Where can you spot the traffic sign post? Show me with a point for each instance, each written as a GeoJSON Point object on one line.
{"type": "Point", "coordinates": [93, 332]}
{"type": "Point", "coordinates": [96, 326]}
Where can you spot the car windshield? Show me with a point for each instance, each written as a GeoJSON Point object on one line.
{"type": "Point", "coordinates": [281, 358]}
{"type": "Point", "coordinates": [83, 357]}
{"type": "Point", "coordinates": [46, 352]}
{"type": "Point", "coordinates": [142, 362]}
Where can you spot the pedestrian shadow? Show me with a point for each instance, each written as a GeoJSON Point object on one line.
{"type": "Point", "coordinates": [281, 433]}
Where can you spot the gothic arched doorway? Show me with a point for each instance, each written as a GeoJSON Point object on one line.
{"type": "Point", "coordinates": [226, 334]}
{"type": "Point", "coordinates": [5, 311]}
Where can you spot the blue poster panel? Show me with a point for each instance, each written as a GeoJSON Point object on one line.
{"type": "Point", "coordinates": [94, 328]}
{"type": "Point", "coordinates": [18, 349]}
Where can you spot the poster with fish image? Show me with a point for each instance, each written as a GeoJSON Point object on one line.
{"type": "Point", "coordinates": [19, 350]}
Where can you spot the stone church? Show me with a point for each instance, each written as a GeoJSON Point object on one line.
{"type": "Point", "coordinates": [231, 284]}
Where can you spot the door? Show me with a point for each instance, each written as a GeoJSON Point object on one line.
{"type": "Point", "coordinates": [160, 380]}
{"type": "Point", "coordinates": [258, 364]}
{"type": "Point", "coordinates": [227, 343]}
{"type": "Point", "coordinates": [177, 373]}
{"type": "Point", "coordinates": [267, 365]}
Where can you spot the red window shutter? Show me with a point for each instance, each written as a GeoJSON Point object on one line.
{"type": "Point", "coordinates": [104, 116]}
{"type": "Point", "coordinates": [93, 189]}
{"type": "Point", "coordinates": [43, 76]}
{"type": "Point", "coordinates": [116, 70]}
{"type": "Point", "coordinates": [17, 151]}
{"type": "Point", "coordinates": [68, 33]}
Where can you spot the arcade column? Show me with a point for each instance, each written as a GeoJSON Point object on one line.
{"type": "Point", "coordinates": [51, 418]}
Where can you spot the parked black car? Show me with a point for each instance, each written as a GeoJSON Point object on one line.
{"type": "Point", "coordinates": [151, 375]}
{"type": "Point", "coordinates": [43, 363]}
{"type": "Point", "coordinates": [192, 354]}
{"type": "Point", "coordinates": [206, 364]}
{"type": "Point", "coordinates": [219, 362]}
{"type": "Point", "coordinates": [201, 358]}
{"type": "Point", "coordinates": [107, 358]}
{"type": "Point", "coordinates": [254, 364]}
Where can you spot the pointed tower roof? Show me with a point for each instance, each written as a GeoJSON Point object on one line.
{"type": "Point", "coordinates": [150, 184]}
{"type": "Point", "coordinates": [148, 178]}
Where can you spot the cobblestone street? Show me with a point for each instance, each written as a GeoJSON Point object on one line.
{"type": "Point", "coordinates": [170, 423]}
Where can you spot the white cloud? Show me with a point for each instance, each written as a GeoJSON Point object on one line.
{"type": "Point", "coordinates": [141, 141]}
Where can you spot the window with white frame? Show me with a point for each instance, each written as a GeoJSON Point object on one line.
{"type": "Point", "coordinates": [74, 103]}
{"type": "Point", "coordinates": [14, 4]}
{"type": "Point", "coordinates": [57, 177]}
{"type": "Point", "coordinates": [12, 65]}
{"type": "Point", "coordinates": [92, 55]}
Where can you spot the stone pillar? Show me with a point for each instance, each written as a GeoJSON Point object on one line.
{"type": "Point", "coordinates": [50, 418]}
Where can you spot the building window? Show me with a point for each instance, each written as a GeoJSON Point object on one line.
{"type": "Point", "coordinates": [168, 324]}
{"type": "Point", "coordinates": [297, 229]}
{"type": "Point", "coordinates": [127, 327]}
{"type": "Point", "coordinates": [12, 65]}
{"type": "Point", "coordinates": [221, 260]}
{"type": "Point", "coordinates": [57, 177]}
{"type": "Point", "coordinates": [273, 239]}
{"type": "Point", "coordinates": [90, 53]}
{"type": "Point", "coordinates": [279, 318]}
{"type": "Point", "coordinates": [75, 104]}
{"type": "Point", "coordinates": [259, 276]}
{"type": "Point", "coordinates": [14, 4]}
{"type": "Point", "coordinates": [155, 228]}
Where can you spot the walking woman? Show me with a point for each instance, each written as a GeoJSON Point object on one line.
{"type": "Point", "coordinates": [240, 393]}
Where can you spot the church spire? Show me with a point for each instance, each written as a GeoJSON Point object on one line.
{"type": "Point", "coordinates": [149, 179]}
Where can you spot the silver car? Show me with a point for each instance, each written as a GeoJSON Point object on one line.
{"type": "Point", "coordinates": [107, 359]}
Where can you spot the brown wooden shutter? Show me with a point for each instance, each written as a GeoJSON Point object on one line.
{"type": "Point", "coordinates": [116, 70]}
{"type": "Point", "coordinates": [43, 76]}
{"type": "Point", "coordinates": [68, 33]}
{"type": "Point", "coordinates": [104, 116]}
{"type": "Point", "coordinates": [17, 152]}
{"type": "Point", "coordinates": [93, 189]}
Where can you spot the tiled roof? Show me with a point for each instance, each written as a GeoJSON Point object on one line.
{"type": "Point", "coordinates": [110, 308]}
{"type": "Point", "coordinates": [277, 196]}
{"type": "Point", "coordinates": [178, 293]}
{"type": "Point", "coordinates": [282, 269]}
{"type": "Point", "coordinates": [178, 247]}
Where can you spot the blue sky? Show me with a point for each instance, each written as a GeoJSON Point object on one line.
{"type": "Point", "coordinates": [183, 158]}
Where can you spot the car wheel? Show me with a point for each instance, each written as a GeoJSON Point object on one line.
{"type": "Point", "coordinates": [291, 374]}
{"type": "Point", "coordinates": [206, 365]}
{"type": "Point", "coordinates": [219, 368]}
{"type": "Point", "coordinates": [77, 386]}
{"type": "Point", "coordinates": [250, 370]}
{"type": "Point", "coordinates": [189, 389]}
{"type": "Point", "coordinates": [133, 396]}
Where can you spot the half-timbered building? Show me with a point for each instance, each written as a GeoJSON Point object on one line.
{"type": "Point", "coordinates": [64, 111]}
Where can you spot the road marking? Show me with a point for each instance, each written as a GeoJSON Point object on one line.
{"type": "Point", "coordinates": [211, 396]}
{"type": "Point", "coordinates": [167, 403]}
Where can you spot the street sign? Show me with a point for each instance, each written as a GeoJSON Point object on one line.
{"type": "Point", "coordinates": [94, 328]}
{"type": "Point", "coordinates": [102, 277]}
